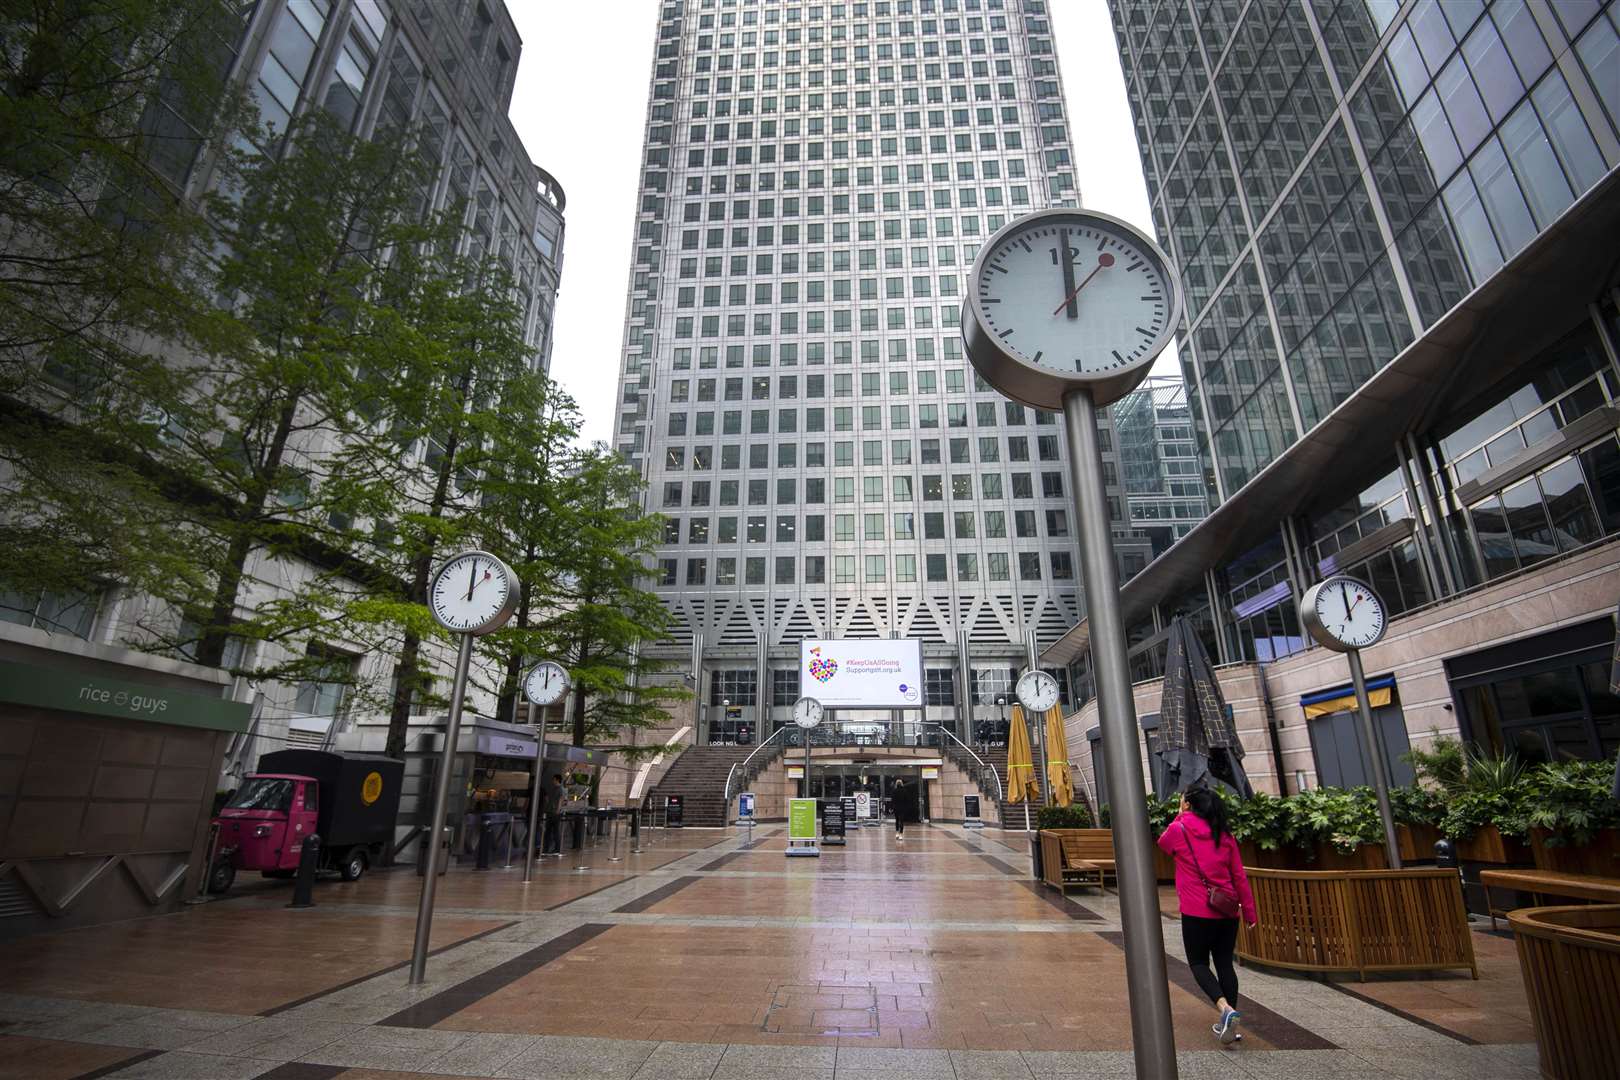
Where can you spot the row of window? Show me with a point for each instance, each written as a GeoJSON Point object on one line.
{"type": "Point", "coordinates": [901, 489]}
{"type": "Point", "coordinates": [875, 526]}
{"type": "Point", "coordinates": [935, 568]}
{"type": "Point", "coordinates": [815, 454]}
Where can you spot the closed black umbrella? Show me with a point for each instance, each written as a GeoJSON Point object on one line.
{"type": "Point", "coordinates": [1614, 688]}
{"type": "Point", "coordinates": [1198, 738]}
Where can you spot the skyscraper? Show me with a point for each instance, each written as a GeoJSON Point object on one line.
{"type": "Point", "coordinates": [1394, 224]}
{"type": "Point", "coordinates": [816, 181]}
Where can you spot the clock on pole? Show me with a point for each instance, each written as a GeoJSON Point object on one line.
{"type": "Point", "coordinates": [1347, 615]}
{"type": "Point", "coordinates": [472, 594]}
{"type": "Point", "coordinates": [544, 685]}
{"type": "Point", "coordinates": [1037, 692]}
{"type": "Point", "coordinates": [1068, 309]}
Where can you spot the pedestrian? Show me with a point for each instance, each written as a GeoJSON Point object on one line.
{"type": "Point", "coordinates": [553, 807]}
{"type": "Point", "coordinates": [904, 798]}
{"type": "Point", "coordinates": [1213, 891]}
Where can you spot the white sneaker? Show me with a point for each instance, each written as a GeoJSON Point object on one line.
{"type": "Point", "coordinates": [1226, 1029]}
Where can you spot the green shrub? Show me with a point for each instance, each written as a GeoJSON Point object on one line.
{"type": "Point", "coordinates": [1571, 800]}
{"type": "Point", "coordinates": [1469, 811]}
{"type": "Point", "coordinates": [1077, 816]}
{"type": "Point", "coordinates": [1345, 819]}
{"type": "Point", "coordinates": [1414, 805]}
{"type": "Point", "coordinates": [1443, 765]}
{"type": "Point", "coordinates": [1263, 820]}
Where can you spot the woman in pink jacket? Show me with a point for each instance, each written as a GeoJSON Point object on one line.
{"type": "Point", "coordinates": [1213, 891]}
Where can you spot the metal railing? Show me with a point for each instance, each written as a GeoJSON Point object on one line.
{"type": "Point", "coordinates": [747, 769]}
{"type": "Point", "coordinates": [983, 766]}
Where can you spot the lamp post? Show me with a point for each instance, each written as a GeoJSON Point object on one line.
{"type": "Point", "coordinates": [725, 717]}
{"type": "Point", "coordinates": [1001, 702]}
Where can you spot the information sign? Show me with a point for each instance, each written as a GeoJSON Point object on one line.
{"type": "Point", "coordinates": [863, 805]}
{"type": "Point", "coordinates": [674, 812]}
{"type": "Point", "coordinates": [970, 812]}
{"type": "Point", "coordinates": [802, 827]}
{"type": "Point", "coordinates": [832, 822]}
{"type": "Point", "coordinates": [745, 805]}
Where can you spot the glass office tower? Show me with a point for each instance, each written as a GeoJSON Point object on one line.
{"type": "Point", "coordinates": [816, 182]}
{"type": "Point", "coordinates": [1395, 224]}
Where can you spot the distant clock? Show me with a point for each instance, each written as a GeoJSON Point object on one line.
{"type": "Point", "coordinates": [546, 683]}
{"type": "Point", "coordinates": [1067, 299]}
{"type": "Point", "coordinates": [1343, 614]}
{"type": "Point", "coordinates": [473, 593]}
{"type": "Point", "coordinates": [807, 712]}
{"type": "Point", "coordinates": [1037, 692]}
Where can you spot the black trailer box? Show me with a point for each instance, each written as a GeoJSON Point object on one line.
{"type": "Point", "coordinates": [354, 808]}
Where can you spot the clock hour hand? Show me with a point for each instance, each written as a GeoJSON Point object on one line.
{"type": "Point", "coordinates": [1103, 261]}
{"type": "Point", "coordinates": [1068, 273]}
{"type": "Point", "coordinates": [472, 579]}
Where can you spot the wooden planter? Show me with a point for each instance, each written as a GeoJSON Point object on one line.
{"type": "Point", "coordinates": [1570, 960]}
{"type": "Point", "coordinates": [1164, 866]}
{"type": "Point", "coordinates": [1359, 920]}
{"type": "Point", "coordinates": [1489, 845]}
{"type": "Point", "coordinates": [1416, 842]}
{"type": "Point", "coordinates": [1254, 855]}
{"type": "Point", "coordinates": [1366, 857]}
{"type": "Point", "coordinates": [1600, 858]}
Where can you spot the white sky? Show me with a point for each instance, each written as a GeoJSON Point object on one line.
{"type": "Point", "coordinates": [580, 107]}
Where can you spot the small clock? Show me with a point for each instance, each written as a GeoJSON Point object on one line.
{"type": "Point", "coordinates": [546, 683]}
{"type": "Point", "coordinates": [1063, 299]}
{"type": "Point", "coordinates": [1037, 692]}
{"type": "Point", "coordinates": [1343, 614]}
{"type": "Point", "coordinates": [807, 712]}
{"type": "Point", "coordinates": [473, 593]}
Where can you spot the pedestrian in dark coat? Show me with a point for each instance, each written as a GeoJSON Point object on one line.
{"type": "Point", "coordinates": [904, 798]}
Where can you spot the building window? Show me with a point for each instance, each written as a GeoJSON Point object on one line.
{"type": "Point", "coordinates": [740, 686]}
{"type": "Point", "coordinates": [939, 686]}
{"type": "Point", "coordinates": [784, 687]}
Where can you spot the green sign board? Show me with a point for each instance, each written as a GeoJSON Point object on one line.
{"type": "Point", "coordinates": [82, 692]}
{"type": "Point", "coordinates": [801, 819]}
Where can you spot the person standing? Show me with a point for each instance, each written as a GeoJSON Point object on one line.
{"type": "Point", "coordinates": [1213, 891]}
{"type": "Point", "coordinates": [904, 798]}
{"type": "Point", "coordinates": [553, 808]}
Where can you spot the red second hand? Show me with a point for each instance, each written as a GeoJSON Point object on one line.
{"type": "Point", "coordinates": [1105, 259]}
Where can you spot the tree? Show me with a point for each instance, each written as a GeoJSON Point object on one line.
{"type": "Point", "coordinates": [604, 615]}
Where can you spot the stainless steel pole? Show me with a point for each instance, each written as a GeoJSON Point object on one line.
{"type": "Point", "coordinates": [534, 796]}
{"type": "Point", "coordinates": [441, 803]}
{"type": "Point", "coordinates": [1152, 1036]}
{"type": "Point", "coordinates": [1375, 751]}
{"type": "Point", "coordinates": [1032, 650]}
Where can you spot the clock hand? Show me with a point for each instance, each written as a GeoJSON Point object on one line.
{"type": "Point", "coordinates": [1068, 273]}
{"type": "Point", "coordinates": [1104, 260]}
{"type": "Point", "coordinates": [1344, 598]}
{"type": "Point", "coordinates": [472, 579]}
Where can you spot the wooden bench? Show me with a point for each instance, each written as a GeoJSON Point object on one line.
{"type": "Point", "coordinates": [1077, 857]}
{"type": "Point", "coordinates": [1570, 960]}
{"type": "Point", "coordinates": [1543, 883]}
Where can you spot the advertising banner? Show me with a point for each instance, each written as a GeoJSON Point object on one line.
{"type": "Point", "coordinates": [745, 805]}
{"type": "Point", "coordinates": [832, 822]}
{"type": "Point", "coordinates": [802, 819]}
{"type": "Point", "coordinates": [862, 673]}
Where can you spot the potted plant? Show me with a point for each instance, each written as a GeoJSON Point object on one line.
{"type": "Point", "coordinates": [1574, 817]}
{"type": "Point", "coordinates": [1340, 829]}
{"type": "Point", "coordinates": [1262, 828]}
{"type": "Point", "coordinates": [1418, 812]}
{"type": "Point", "coordinates": [1077, 816]}
{"type": "Point", "coordinates": [1486, 816]}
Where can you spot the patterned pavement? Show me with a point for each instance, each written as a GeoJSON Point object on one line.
{"type": "Point", "coordinates": [707, 956]}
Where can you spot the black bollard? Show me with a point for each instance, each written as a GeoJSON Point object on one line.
{"type": "Point", "coordinates": [483, 843]}
{"type": "Point", "coordinates": [1445, 854]}
{"type": "Point", "coordinates": [304, 883]}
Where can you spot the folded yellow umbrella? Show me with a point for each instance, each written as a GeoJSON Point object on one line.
{"type": "Point", "coordinates": [1022, 782]}
{"type": "Point", "coordinates": [1057, 758]}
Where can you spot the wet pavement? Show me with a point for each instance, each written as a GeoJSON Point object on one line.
{"type": "Point", "coordinates": [704, 957]}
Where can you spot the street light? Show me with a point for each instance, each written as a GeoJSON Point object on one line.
{"type": "Point", "coordinates": [725, 712]}
{"type": "Point", "coordinates": [1002, 702]}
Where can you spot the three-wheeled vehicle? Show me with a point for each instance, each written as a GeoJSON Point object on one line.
{"type": "Point", "coordinates": [349, 800]}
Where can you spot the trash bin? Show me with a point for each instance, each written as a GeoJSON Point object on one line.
{"type": "Point", "coordinates": [445, 842]}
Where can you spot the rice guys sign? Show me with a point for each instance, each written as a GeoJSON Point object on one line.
{"type": "Point", "coordinates": [862, 673]}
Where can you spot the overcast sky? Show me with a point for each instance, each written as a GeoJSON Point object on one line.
{"type": "Point", "coordinates": [580, 107]}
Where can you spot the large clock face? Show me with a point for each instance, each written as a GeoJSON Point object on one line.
{"type": "Point", "coordinates": [807, 712]}
{"type": "Point", "coordinates": [1346, 614]}
{"type": "Point", "coordinates": [1037, 691]}
{"type": "Point", "coordinates": [473, 593]}
{"type": "Point", "coordinates": [546, 683]}
{"type": "Point", "coordinates": [1075, 298]}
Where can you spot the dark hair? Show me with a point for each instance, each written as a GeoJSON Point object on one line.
{"type": "Point", "coordinates": [1209, 806]}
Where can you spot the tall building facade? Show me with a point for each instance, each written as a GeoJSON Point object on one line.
{"type": "Point", "coordinates": [816, 182]}
{"type": "Point", "coordinates": [1158, 466]}
{"type": "Point", "coordinates": [1394, 224]}
{"type": "Point", "coordinates": [445, 70]}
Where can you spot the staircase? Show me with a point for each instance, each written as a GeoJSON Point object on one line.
{"type": "Point", "coordinates": [699, 777]}
{"type": "Point", "coordinates": [1012, 814]}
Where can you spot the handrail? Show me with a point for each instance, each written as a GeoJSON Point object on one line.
{"type": "Point", "coordinates": [744, 763]}
{"type": "Point", "coordinates": [983, 767]}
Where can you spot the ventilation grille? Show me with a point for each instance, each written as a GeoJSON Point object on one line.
{"type": "Point", "coordinates": [15, 899]}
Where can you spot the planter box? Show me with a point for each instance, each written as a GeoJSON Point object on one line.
{"type": "Point", "coordinates": [1164, 866]}
{"type": "Point", "coordinates": [1416, 842]}
{"type": "Point", "coordinates": [1254, 855]}
{"type": "Point", "coordinates": [1489, 845]}
{"type": "Point", "coordinates": [1600, 858]}
{"type": "Point", "coordinates": [1365, 857]}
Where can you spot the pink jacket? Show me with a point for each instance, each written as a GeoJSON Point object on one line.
{"type": "Point", "coordinates": [1221, 865]}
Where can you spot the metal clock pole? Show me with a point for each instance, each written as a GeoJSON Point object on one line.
{"type": "Point", "coordinates": [441, 802]}
{"type": "Point", "coordinates": [534, 795]}
{"type": "Point", "coordinates": [1375, 751]}
{"type": "Point", "coordinates": [1152, 1035]}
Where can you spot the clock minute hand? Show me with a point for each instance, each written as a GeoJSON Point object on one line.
{"type": "Point", "coordinates": [1104, 261]}
{"type": "Point", "coordinates": [472, 579]}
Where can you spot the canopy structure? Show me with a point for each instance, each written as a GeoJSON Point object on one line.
{"type": "Point", "coordinates": [1199, 741]}
{"type": "Point", "coordinates": [1061, 783]}
{"type": "Point", "coordinates": [1022, 783]}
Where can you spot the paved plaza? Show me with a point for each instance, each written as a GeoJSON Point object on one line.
{"type": "Point", "coordinates": [706, 955]}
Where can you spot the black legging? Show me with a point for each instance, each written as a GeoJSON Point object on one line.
{"type": "Point", "coordinates": [1203, 937]}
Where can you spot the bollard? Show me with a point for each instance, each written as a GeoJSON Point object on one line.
{"type": "Point", "coordinates": [304, 883]}
{"type": "Point", "coordinates": [635, 830]}
{"type": "Point", "coordinates": [483, 842]}
{"type": "Point", "coordinates": [1445, 856]}
{"type": "Point", "coordinates": [613, 835]}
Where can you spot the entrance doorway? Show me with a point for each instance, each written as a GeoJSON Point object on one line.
{"type": "Point", "coordinates": [838, 781]}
